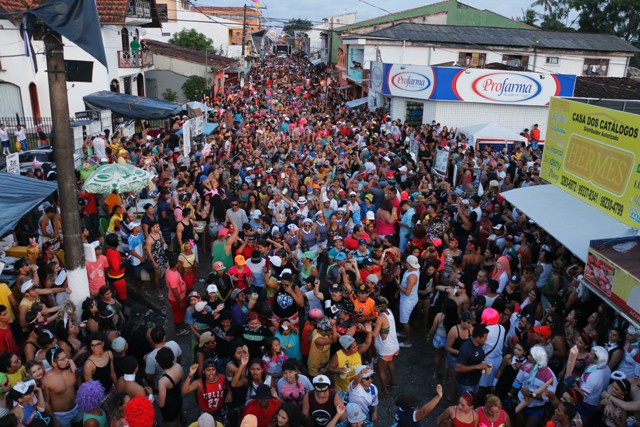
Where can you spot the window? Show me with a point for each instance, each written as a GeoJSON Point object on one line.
{"type": "Point", "coordinates": [553, 60]}
{"type": "Point", "coordinates": [517, 61]}
{"type": "Point", "coordinates": [162, 11]}
{"type": "Point", "coordinates": [595, 67]}
{"type": "Point", "coordinates": [184, 4]}
{"type": "Point", "coordinates": [471, 59]}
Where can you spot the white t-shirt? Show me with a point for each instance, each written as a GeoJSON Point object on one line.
{"type": "Point", "coordinates": [99, 147]}
{"type": "Point", "coordinates": [152, 367]}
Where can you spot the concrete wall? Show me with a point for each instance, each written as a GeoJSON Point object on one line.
{"type": "Point", "coordinates": [166, 80]}
{"type": "Point", "coordinates": [460, 114]}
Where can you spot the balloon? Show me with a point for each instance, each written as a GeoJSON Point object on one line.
{"type": "Point", "coordinates": [257, 6]}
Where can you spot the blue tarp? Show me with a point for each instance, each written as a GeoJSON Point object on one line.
{"type": "Point", "coordinates": [207, 127]}
{"type": "Point", "coordinates": [18, 195]}
{"type": "Point", "coordinates": [135, 107]}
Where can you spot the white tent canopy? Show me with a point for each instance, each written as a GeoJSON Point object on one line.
{"type": "Point", "coordinates": [571, 221]}
{"type": "Point", "coordinates": [490, 132]}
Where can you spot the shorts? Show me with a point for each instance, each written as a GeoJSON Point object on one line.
{"type": "Point", "coordinates": [65, 418]}
{"type": "Point", "coordinates": [535, 412]}
{"type": "Point", "coordinates": [5, 144]}
{"type": "Point", "coordinates": [406, 308]}
{"type": "Point", "coordinates": [439, 341]}
{"type": "Point", "coordinates": [451, 361]}
{"type": "Point", "coordinates": [390, 357]}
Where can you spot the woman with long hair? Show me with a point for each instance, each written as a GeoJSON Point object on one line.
{"type": "Point", "coordinates": [462, 414]}
{"type": "Point", "coordinates": [492, 413]}
{"type": "Point", "coordinates": [288, 415]}
{"type": "Point", "coordinates": [456, 336]}
{"type": "Point", "coordinates": [386, 343]}
{"type": "Point", "coordinates": [442, 322]}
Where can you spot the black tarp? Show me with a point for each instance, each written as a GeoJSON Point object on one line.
{"type": "Point", "coordinates": [135, 107]}
{"type": "Point", "coordinates": [18, 195]}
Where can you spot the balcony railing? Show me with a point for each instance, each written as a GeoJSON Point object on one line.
{"type": "Point", "coordinates": [139, 9]}
{"type": "Point", "coordinates": [139, 59]}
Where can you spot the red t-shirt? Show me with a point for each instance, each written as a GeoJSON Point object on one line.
{"type": "Point", "coordinates": [264, 416]}
{"type": "Point", "coordinates": [174, 281]}
{"type": "Point", "coordinates": [116, 270]}
{"type": "Point", "coordinates": [245, 278]}
{"type": "Point", "coordinates": [305, 344]}
{"type": "Point", "coordinates": [90, 203]}
{"type": "Point", "coordinates": [7, 343]}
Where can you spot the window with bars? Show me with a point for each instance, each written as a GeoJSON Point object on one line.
{"type": "Point", "coordinates": [472, 59]}
{"type": "Point", "coordinates": [595, 67]}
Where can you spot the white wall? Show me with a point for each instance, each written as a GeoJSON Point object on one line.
{"type": "Point", "coordinates": [422, 55]}
{"type": "Point", "coordinates": [459, 114]}
{"type": "Point", "coordinates": [217, 29]}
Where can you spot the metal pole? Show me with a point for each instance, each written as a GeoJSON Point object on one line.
{"type": "Point", "coordinates": [330, 43]}
{"type": "Point", "coordinates": [244, 29]}
{"type": "Point", "coordinates": [63, 147]}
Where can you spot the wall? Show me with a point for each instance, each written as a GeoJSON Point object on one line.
{"type": "Point", "coordinates": [167, 80]}
{"type": "Point", "coordinates": [423, 55]}
{"type": "Point", "coordinates": [459, 114]}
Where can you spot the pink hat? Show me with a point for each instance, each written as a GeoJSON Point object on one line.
{"type": "Point", "coordinates": [316, 314]}
{"type": "Point", "coordinates": [490, 316]}
{"type": "Point", "coordinates": [436, 242]}
{"type": "Point", "coordinates": [223, 232]}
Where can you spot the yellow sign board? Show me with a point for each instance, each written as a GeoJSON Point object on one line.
{"type": "Point", "coordinates": [593, 153]}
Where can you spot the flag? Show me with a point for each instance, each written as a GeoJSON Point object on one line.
{"type": "Point", "coordinates": [77, 20]}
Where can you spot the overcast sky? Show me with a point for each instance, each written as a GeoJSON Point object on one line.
{"type": "Point", "coordinates": [315, 10]}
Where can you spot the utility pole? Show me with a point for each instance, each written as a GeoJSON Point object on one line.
{"type": "Point", "coordinates": [244, 29]}
{"type": "Point", "coordinates": [330, 42]}
{"type": "Point", "coordinates": [63, 148]}
{"type": "Point", "coordinates": [244, 36]}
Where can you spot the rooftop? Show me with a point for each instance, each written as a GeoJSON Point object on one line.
{"type": "Point", "coordinates": [190, 55]}
{"type": "Point", "coordinates": [109, 11]}
{"type": "Point", "coordinates": [607, 88]}
{"type": "Point", "coordinates": [513, 37]}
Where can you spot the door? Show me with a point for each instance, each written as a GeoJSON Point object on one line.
{"type": "Point", "coordinates": [35, 103]}
{"type": "Point", "coordinates": [140, 84]}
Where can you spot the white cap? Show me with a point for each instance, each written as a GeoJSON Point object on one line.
{"type": "Point", "coordinates": [371, 216]}
{"type": "Point", "coordinates": [200, 305]}
{"type": "Point", "coordinates": [275, 260]}
{"type": "Point", "coordinates": [402, 168]}
{"type": "Point", "coordinates": [256, 214]}
{"type": "Point", "coordinates": [26, 286]}
{"type": "Point", "coordinates": [352, 193]}
{"type": "Point", "coordinates": [212, 289]}
{"type": "Point", "coordinates": [293, 227]}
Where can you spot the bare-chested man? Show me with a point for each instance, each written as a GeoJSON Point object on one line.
{"type": "Point", "coordinates": [59, 386]}
{"type": "Point", "coordinates": [127, 383]}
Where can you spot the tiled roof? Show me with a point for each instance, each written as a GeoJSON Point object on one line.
{"type": "Point", "coordinates": [607, 88]}
{"type": "Point", "coordinates": [189, 55]}
{"type": "Point", "coordinates": [109, 11]}
{"type": "Point", "coordinates": [513, 37]}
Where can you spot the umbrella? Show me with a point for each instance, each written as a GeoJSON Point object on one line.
{"type": "Point", "coordinates": [122, 178]}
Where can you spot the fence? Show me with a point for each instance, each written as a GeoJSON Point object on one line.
{"type": "Point", "coordinates": [31, 125]}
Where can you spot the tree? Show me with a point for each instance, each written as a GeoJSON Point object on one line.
{"type": "Point", "coordinates": [195, 87]}
{"type": "Point", "coordinates": [193, 39]}
{"type": "Point", "coordinates": [554, 14]}
{"type": "Point", "coordinates": [529, 17]}
{"type": "Point", "coordinates": [297, 24]}
{"type": "Point", "coordinates": [170, 95]}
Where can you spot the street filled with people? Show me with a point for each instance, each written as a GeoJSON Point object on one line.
{"type": "Point", "coordinates": [300, 248]}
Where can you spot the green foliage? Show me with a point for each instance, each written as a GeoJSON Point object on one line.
{"type": "Point", "coordinates": [193, 39]}
{"type": "Point", "coordinates": [170, 95]}
{"type": "Point", "coordinates": [195, 87]}
{"type": "Point", "coordinates": [529, 17]}
{"type": "Point", "coordinates": [297, 24]}
{"type": "Point", "coordinates": [555, 14]}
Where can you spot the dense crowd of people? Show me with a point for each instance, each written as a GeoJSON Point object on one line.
{"type": "Point", "coordinates": [332, 247]}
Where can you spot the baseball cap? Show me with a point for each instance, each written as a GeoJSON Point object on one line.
{"type": "Point", "coordinates": [263, 392]}
{"type": "Point", "coordinates": [371, 216]}
{"type": "Point", "coordinates": [118, 344]}
{"type": "Point", "coordinates": [223, 232]}
{"type": "Point", "coordinates": [212, 289]}
{"type": "Point", "coordinates": [256, 257]}
{"type": "Point", "coordinates": [235, 293]}
{"type": "Point", "coordinates": [26, 286]}
{"type": "Point", "coordinates": [362, 241]}
{"type": "Point", "coordinates": [373, 279]}
{"type": "Point", "coordinates": [315, 313]}
{"type": "Point", "coordinates": [367, 261]}
{"type": "Point", "coordinates": [239, 259]}
{"type": "Point", "coordinates": [324, 324]}
{"type": "Point", "coordinates": [361, 368]}
{"type": "Point", "coordinates": [346, 341]}
{"type": "Point", "coordinates": [543, 330]}
{"type": "Point", "coordinates": [515, 278]}
{"type": "Point", "coordinates": [337, 237]}
{"type": "Point", "coordinates": [193, 294]}
{"type": "Point", "coordinates": [363, 288]}
{"type": "Point", "coordinates": [340, 256]}
{"type": "Point", "coordinates": [355, 414]}
{"type": "Point", "coordinates": [133, 225]}
{"type": "Point", "coordinates": [275, 260]}
{"type": "Point", "coordinates": [321, 382]}
{"type": "Point", "coordinates": [200, 305]}
{"type": "Point", "coordinates": [335, 288]}
{"type": "Point", "coordinates": [219, 265]}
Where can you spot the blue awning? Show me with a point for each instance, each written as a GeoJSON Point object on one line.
{"type": "Point", "coordinates": [207, 127]}
{"type": "Point", "coordinates": [18, 195]}
{"type": "Point", "coordinates": [358, 102]}
{"type": "Point", "coordinates": [135, 107]}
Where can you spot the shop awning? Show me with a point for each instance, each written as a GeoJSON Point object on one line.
{"type": "Point", "coordinates": [18, 195]}
{"type": "Point", "coordinates": [571, 221]}
{"type": "Point", "coordinates": [357, 102]}
{"type": "Point", "coordinates": [136, 107]}
{"type": "Point", "coordinates": [316, 61]}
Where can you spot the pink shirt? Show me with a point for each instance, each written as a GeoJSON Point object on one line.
{"type": "Point", "coordinates": [174, 281]}
{"type": "Point", "coordinates": [95, 273]}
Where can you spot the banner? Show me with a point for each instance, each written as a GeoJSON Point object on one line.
{"type": "Point", "coordinates": [197, 128]}
{"type": "Point", "coordinates": [442, 162]}
{"type": "Point", "coordinates": [609, 273]}
{"type": "Point", "coordinates": [186, 138]}
{"type": "Point", "coordinates": [469, 84]}
{"type": "Point", "coordinates": [13, 163]}
{"type": "Point", "coordinates": [593, 153]}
